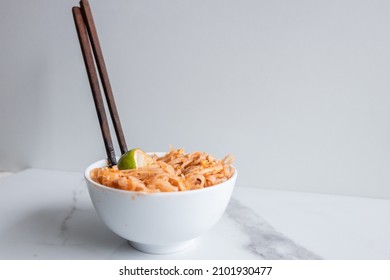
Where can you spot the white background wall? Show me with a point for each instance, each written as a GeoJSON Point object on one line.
{"type": "Point", "coordinates": [298, 91]}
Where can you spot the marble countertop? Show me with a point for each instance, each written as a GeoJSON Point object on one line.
{"type": "Point", "coordinates": [46, 214]}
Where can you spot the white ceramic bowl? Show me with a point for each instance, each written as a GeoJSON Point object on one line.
{"type": "Point", "coordinates": [159, 223]}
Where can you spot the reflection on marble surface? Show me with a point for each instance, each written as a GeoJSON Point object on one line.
{"type": "Point", "coordinates": [5, 173]}
{"type": "Point", "coordinates": [265, 241]}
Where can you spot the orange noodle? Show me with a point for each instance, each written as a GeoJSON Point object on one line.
{"type": "Point", "coordinates": [175, 171]}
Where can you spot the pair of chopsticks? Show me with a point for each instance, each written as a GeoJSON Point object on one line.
{"type": "Point", "coordinates": [87, 34]}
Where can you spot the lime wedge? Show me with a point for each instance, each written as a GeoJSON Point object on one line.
{"type": "Point", "coordinates": [133, 159]}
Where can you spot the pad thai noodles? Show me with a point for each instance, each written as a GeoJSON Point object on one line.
{"type": "Point", "coordinates": [175, 171]}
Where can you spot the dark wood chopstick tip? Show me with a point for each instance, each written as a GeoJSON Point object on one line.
{"type": "Point", "coordinates": [76, 9]}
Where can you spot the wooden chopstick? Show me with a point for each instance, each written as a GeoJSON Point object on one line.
{"type": "Point", "coordinates": [94, 83]}
{"type": "Point", "coordinates": [93, 36]}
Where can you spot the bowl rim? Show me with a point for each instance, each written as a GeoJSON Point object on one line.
{"type": "Point", "coordinates": [187, 192]}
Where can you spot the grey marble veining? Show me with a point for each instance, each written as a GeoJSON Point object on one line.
{"type": "Point", "coordinates": [64, 228]}
{"type": "Point", "coordinates": [265, 241]}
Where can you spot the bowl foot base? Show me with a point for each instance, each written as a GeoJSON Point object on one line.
{"type": "Point", "coordinates": [159, 249]}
